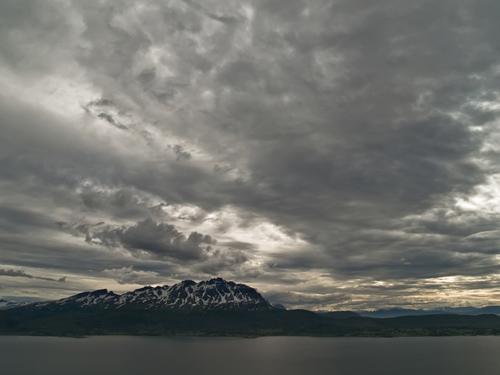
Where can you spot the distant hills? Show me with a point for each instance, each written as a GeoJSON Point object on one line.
{"type": "Point", "coordinates": [340, 314]}
{"type": "Point", "coordinates": [223, 308]}
{"type": "Point", "coordinates": [393, 313]}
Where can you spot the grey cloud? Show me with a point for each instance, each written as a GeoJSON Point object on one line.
{"type": "Point", "coordinates": [239, 75]}
{"type": "Point", "coordinates": [88, 261]}
{"type": "Point", "coordinates": [14, 218]}
{"type": "Point", "coordinates": [164, 240]}
{"type": "Point", "coordinates": [35, 27]}
{"type": "Point", "coordinates": [111, 120]}
{"type": "Point", "coordinates": [161, 89]}
{"type": "Point", "coordinates": [180, 152]}
{"type": "Point", "coordinates": [221, 260]}
{"type": "Point", "coordinates": [15, 273]}
{"type": "Point", "coordinates": [102, 102]}
{"type": "Point", "coordinates": [479, 116]}
{"type": "Point", "coordinates": [21, 273]}
{"type": "Point", "coordinates": [239, 245]}
{"type": "Point", "coordinates": [128, 275]}
{"type": "Point", "coordinates": [98, 107]}
{"type": "Point", "coordinates": [123, 203]}
{"type": "Point", "coordinates": [146, 237]}
{"type": "Point", "coordinates": [147, 76]}
{"type": "Point", "coordinates": [160, 241]}
{"type": "Point", "coordinates": [354, 125]}
{"type": "Point", "coordinates": [226, 19]}
{"type": "Point", "coordinates": [148, 137]}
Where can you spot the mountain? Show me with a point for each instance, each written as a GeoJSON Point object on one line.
{"type": "Point", "coordinates": [5, 305]}
{"type": "Point", "coordinates": [339, 314]}
{"type": "Point", "coordinates": [216, 308]}
{"type": "Point", "coordinates": [215, 294]}
{"type": "Point", "coordinates": [396, 312]}
{"type": "Point", "coordinates": [278, 306]}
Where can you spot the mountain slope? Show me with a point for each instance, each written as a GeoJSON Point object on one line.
{"type": "Point", "coordinates": [5, 305]}
{"type": "Point", "coordinates": [215, 294]}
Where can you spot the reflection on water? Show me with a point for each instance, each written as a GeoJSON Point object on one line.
{"type": "Point", "coordinates": [266, 355]}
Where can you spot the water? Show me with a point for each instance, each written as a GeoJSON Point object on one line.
{"type": "Point", "coordinates": [266, 355]}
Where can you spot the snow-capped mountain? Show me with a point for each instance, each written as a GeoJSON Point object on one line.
{"type": "Point", "coordinates": [5, 305]}
{"type": "Point", "coordinates": [215, 294]}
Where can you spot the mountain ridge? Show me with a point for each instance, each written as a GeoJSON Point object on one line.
{"type": "Point", "coordinates": [216, 308]}
{"type": "Point", "coordinates": [399, 312]}
{"type": "Point", "coordinates": [214, 294]}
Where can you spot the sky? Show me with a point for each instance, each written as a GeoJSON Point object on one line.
{"type": "Point", "coordinates": [334, 155]}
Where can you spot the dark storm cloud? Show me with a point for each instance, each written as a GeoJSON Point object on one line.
{"type": "Point", "coordinates": [150, 240]}
{"type": "Point", "coordinates": [164, 240]}
{"type": "Point", "coordinates": [111, 120]}
{"type": "Point", "coordinates": [355, 126]}
{"type": "Point", "coordinates": [146, 238]}
{"type": "Point", "coordinates": [20, 273]}
{"type": "Point", "coordinates": [15, 273]}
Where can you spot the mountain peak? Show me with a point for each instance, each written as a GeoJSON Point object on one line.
{"type": "Point", "coordinates": [214, 294]}
{"type": "Point", "coordinates": [217, 280]}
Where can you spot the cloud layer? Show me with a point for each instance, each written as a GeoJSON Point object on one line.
{"type": "Point", "coordinates": [337, 154]}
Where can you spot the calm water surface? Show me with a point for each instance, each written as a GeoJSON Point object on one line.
{"type": "Point", "coordinates": [267, 355]}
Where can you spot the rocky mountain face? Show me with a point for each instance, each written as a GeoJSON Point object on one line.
{"type": "Point", "coordinates": [215, 294]}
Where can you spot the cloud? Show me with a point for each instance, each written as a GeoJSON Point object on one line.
{"type": "Point", "coordinates": [180, 152]}
{"type": "Point", "coordinates": [15, 273]}
{"type": "Point", "coordinates": [239, 245]}
{"type": "Point", "coordinates": [161, 241]}
{"type": "Point", "coordinates": [21, 273]}
{"type": "Point", "coordinates": [364, 132]}
{"type": "Point", "coordinates": [124, 202]}
{"type": "Point", "coordinates": [226, 19]}
{"type": "Point", "coordinates": [147, 237]}
{"type": "Point", "coordinates": [223, 260]}
{"type": "Point", "coordinates": [111, 120]}
{"type": "Point", "coordinates": [128, 275]}
{"type": "Point", "coordinates": [164, 240]}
